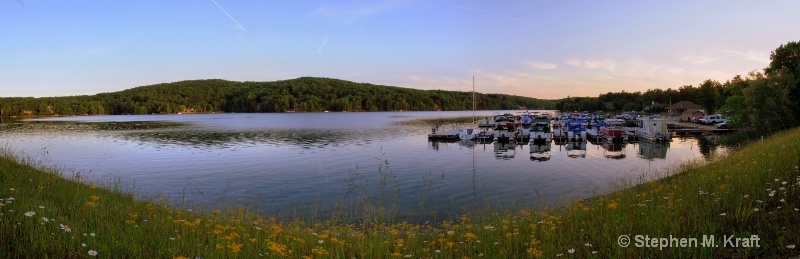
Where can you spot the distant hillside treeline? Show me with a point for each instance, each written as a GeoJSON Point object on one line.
{"type": "Point", "coordinates": [301, 94]}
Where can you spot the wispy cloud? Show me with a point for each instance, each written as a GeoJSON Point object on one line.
{"type": "Point", "coordinates": [751, 55]}
{"type": "Point", "coordinates": [353, 13]}
{"type": "Point", "coordinates": [699, 59]}
{"type": "Point", "coordinates": [238, 25]}
{"type": "Point", "coordinates": [494, 13]}
{"type": "Point", "coordinates": [542, 65]}
{"type": "Point", "coordinates": [592, 63]}
{"type": "Point", "coordinates": [322, 45]}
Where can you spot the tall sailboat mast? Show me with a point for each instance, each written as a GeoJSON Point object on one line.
{"type": "Point", "coordinates": [473, 99]}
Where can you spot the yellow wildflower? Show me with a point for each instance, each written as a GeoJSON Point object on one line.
{"type": "Point", "coordinates": [470, 236]}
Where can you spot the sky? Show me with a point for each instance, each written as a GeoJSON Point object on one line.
{"type": "Point", "coordinates": [540, 49]}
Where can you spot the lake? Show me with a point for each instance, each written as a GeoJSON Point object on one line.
{"type": "Point", "coordinates": [334, 163]}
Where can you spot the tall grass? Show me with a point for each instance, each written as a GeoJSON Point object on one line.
{"type": "Point", "coordinates": [753, 191]}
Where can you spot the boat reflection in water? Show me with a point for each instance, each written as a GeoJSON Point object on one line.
{"type": "Point", "coordinates": [614, 150]}
{"type": "Point", "coordinates": [649, 150]}
{"type": "Point", "coordinates": [505, 150]}
{"type": "Point", "coordinates": [576, 149]}
{"type": "Point", "coordinates": [540, 152]}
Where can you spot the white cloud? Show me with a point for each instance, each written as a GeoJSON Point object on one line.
{"type": "Point", "coordinates": [542, 65]}
{"type": "Point", "coordinates": [592, 63]}
{"type": "Point", "coordinates": [322, 45]}
{"type": "Point", "coordinates": [757, 56]}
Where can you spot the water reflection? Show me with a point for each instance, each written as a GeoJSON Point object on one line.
{"type": "Point", "coordinates": [540, 153]}
{"type": "Point", "coordinates": [614, 150]}
{"type": "Point", "coordinates": [650, 150]}
{"type": "Point", "coordinates": [576, 149]}
{"type": "Point", "coordinates": [505, 150]}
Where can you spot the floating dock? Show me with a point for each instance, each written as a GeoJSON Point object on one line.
{"type": "Point", "coordinates": [451, 134]}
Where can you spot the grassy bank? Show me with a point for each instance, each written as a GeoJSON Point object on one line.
{"type": "Point", "coordinates": [753, 191]}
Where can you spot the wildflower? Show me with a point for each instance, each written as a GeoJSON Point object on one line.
{"type": "Point", "coordinates": [94, 197]}
{"type": "Point", "coordinates": [612, 205]}
{"type": "Point", "coordinates": [755, 209]}
{"type": "Point", "coordinates": [320, 241]}
{"type": "Point", "coordinates": [45, 219]}
{"type": "Point", "coordinates": [571, 250]}
{"type": "Point", "coordinates": [30, 213]}
{"type": "Point", "coordinates": [92, 252]}
{"type": "Point", "coordinates": [790, 246]}
{"type": "Point", "coordinates": [594, 252]}
{"type": "Point", "coordinates": [12, 189]}
{"type": "Point", "coordinates": [723, 214]}
{"type": "Point", "coordinates": [83, 244]}
{"type": "Point", "coordinates": [91, 234]}
{"type": "Point", "coordinates": [470, 236]}
{"type": "Point", "coordinates": [587, 244]}
{"type": "Point", "coordinates": [65, 228]}
{"type": "Point", "coordinates": [41, 207]}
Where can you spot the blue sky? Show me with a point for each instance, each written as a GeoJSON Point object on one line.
{"type": "Point", "coordinates": [542, 49]}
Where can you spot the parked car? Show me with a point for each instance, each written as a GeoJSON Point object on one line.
{"type": "Point", "coordinates": [712, 119]}
{"type": "Point", "coordinates": [722, 125]}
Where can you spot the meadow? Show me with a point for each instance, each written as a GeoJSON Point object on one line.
{"type": "Point", "coordinates": [723, 204]}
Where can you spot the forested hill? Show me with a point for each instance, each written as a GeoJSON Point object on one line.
{"type": "Point", "coordinates": [301, 94]}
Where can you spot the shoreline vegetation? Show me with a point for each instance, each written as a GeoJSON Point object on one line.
{"type": "Point", "coordinates": [750, 193]}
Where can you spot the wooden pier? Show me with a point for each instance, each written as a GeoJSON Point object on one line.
{"type": "Point", "coordinates": [687, 128]}
{"type": "Point", "coordinates": [451, 134]}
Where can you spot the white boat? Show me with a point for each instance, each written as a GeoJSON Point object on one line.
{"type": "Point", "coordinates": [653, 129]}
{"type": "Point", "coordinates": [540, 131]}
{"type": "Point", "coordinates": [468, 134]}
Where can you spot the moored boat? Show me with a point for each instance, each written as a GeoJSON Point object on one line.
{"type": "Point", "coordinates": [653, 129]}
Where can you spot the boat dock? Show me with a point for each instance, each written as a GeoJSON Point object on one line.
{"type": "Point", "coordinates": [688, 128]}
{"type": "Point", "coordinates": [451, 134]}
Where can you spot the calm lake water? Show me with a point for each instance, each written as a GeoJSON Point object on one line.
{"type": "Point", "coordinates": [323, 161]}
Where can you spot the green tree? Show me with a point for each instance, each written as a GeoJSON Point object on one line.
{"type": "Point", "coordinates": [768, 103]}
{"type": "Point", "coordinates": [785, 61]}
{"type": "Point", "coordinates": [708, 95]}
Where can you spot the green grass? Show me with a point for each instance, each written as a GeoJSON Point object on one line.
{"type": "Point", "coordinates": [752, 191]}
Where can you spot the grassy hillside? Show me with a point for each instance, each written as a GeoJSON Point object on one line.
{"type": "Point", "coordinates": [752, 193]}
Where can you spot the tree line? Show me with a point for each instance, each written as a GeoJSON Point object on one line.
{"type": "Point", "coordinates": [764, 101]}
{"type": "Point", "coordinates": [306, 94]}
